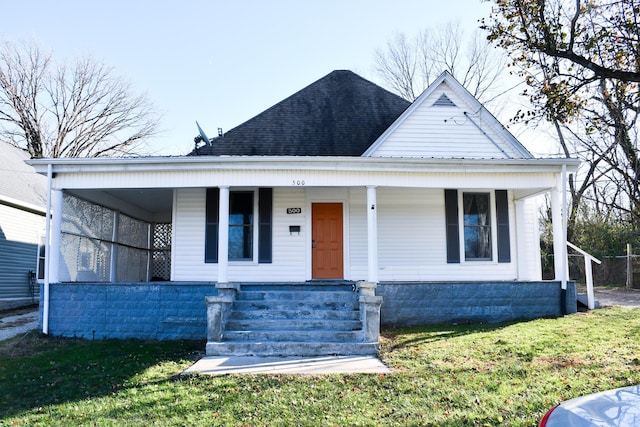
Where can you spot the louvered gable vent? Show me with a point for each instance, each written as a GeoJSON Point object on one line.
{"type": "Point", "coordinates": [444, 101]}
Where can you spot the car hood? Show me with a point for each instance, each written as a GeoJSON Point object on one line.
{"type": "Point", "coordinates": [619, 408]}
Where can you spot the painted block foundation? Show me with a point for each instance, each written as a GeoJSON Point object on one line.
{"type": "Point", "coordinates": [162, 311]}
{"type": "Point", "coordinates": [411, 304]}
{"type": "Point", "coordinates": [177, 310]}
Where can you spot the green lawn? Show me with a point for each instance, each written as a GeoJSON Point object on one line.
{"type": "Point", "coordinates": [481, 375]}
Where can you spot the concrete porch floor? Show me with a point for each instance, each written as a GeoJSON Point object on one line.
{"type": "Point", "coordinates": [222, 365]}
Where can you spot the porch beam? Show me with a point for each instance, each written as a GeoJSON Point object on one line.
{"type": "Point", "coordinates": [223, 235]}
{"type": "Point", "coordinates": [372, 234]}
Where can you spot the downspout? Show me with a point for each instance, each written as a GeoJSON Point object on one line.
{"type": "Point", "coordinates": [47, 251]}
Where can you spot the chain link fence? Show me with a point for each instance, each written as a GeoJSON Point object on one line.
{"type": "Point", "coordinates": [614, 270]}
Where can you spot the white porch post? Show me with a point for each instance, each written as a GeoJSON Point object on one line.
{"type": "Point", "coordinates": [223, 235]}
{"type": "Point", "coordinates": [372, 235]}
{"type": "Point", "coordinates": [558, 214]}
{"type": "Point", "coordinates": [56, 226]}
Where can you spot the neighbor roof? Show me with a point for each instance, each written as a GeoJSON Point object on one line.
{"type": "Point", "coordinates": [19, 182]}
{"type": "Point", "coordinates": [341, 114]}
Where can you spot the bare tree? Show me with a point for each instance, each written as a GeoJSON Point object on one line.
{"type": "Point", "coordinates": [581, 61]}
{"type": "Point", "coordinates": [409, 66]}
{"type": "Point", "coordinates": [79, 109]}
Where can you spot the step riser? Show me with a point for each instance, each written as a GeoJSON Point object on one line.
{"type": "Point", "coordinates": [303, 349]}
{"type": "Point", "coordinates": [294, 305]}
{"type": "Point", "coordinates": [297, 336]}
{"type": "Point", "coordinates": [295, 296]}
{"type": "Point", "coordinates": [295, 314]}
{"type": "Point", "coordinates": [293, 325]}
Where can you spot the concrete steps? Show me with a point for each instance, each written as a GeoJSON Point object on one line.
{"type": "Point", "coordinates": [294, 320]}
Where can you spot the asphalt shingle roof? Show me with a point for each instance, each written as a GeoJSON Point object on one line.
{"type": "Point", "coordinates": [341, 114]}
{"type": "Point", "coordinates": [18, 180]}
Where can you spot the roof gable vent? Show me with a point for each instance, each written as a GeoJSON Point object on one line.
{"type": "Point", "coordinates": [444, 101]}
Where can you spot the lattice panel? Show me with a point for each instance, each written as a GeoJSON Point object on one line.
{"type": "Point", "coordinates": [161, 253]}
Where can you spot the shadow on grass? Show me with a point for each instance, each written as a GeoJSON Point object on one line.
{"type": "Point", "coordinates": [36, 371]}
{"type": "Point", "coordinates": [416, 335]}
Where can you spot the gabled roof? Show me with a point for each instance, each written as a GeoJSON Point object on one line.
{"type": "Point", "coordinates": [341, 114]}
{"type": "Point", "coordinates": [446, 121]}
{"type": "Point", "coordinates": [19, 182]}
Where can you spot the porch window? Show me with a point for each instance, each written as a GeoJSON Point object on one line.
{"type": "Point", "coordinates": [240, 226]}
{"type": "Point", "coordinates": [243, 219]}
{"type": "Point", "coordinates": [475, 221]}
{"type": "Point", "coordinates": [477, 226]}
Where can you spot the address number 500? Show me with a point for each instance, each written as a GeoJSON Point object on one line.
{"type": "Point", "coordinates": [297, 182]}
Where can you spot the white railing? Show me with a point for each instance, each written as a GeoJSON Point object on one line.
{"type": "Point", "coordinates": [588, 273]}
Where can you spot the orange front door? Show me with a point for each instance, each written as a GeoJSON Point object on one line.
{"type": "Point", "coordinates": [327, 247]}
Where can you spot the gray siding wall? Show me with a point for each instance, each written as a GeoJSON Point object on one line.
{"type": "Point", "coordinates": [19, 234]}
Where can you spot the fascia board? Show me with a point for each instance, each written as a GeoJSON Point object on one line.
{"type": "Point", "coordinates": [177, 164]}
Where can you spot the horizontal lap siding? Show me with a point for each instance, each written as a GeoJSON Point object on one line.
{"type": "Point", "coordinates": [530, 246]}
{"type": "Point", "coordinates": [444, 132]}
{"type": "Point", "coordinates": [19, 237]}
{"type": "Point", "coordinates": [289, 254]}
{"type": "Point", "coordinates": [188, 238]}
{"type": "Point", "coordinates": [411, 241]}
{"type": "Point", "coordinates": [357, 228]}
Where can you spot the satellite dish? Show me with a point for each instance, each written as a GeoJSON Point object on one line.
{"type": "Point", "coordinates": [203, 136]}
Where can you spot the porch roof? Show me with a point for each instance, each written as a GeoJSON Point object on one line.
{"type": "Point", "coordinates": [147, 182]}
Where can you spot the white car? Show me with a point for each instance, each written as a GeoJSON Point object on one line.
{"type": "Point", "coordinates": [619, 408]}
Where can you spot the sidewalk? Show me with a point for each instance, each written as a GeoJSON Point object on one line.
{"type": "Point", "coordinates": [221, 365]}
{"type": "Point", "coordinates": [15, 325]}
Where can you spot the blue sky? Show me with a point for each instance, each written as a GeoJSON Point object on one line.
{"type": "Point", "coordinates": [222, 62]}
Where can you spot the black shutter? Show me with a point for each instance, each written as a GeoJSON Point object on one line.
{"type": "Point", "coordinates": [453, 232]}
{"type": "Point", "coordinates": [265, 218]}
{"type": "Point", "coordinates": [502, 219]}
{"type": "Point", "coordinates": [211, 226]}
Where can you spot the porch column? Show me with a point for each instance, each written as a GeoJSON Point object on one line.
{"type": "Point", "coordinates": [558, 213]}
{"type": "Point", "coordinates": [520, 240]}
{"type": "Point", "coordinates": [54, 245]}
{"type": "Point", "coordinates": [223, 235]}
{"type": "Point", "coordinates": [372, 235]}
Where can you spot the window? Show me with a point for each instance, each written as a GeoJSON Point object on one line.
{"type": "Point", "coordinates": [477, 226]}
{"type": "Point", "coordinates": [242, 223]}
{"type": "Point", "coordinates": [477, 217]}
{"type": "Point", "coordinates": [240, 226]}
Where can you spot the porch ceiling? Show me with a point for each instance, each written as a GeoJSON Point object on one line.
{"type": "Point", "coordinates": [151, 204]}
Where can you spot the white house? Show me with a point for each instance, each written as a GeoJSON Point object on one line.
{"type": "Point", "coordinates": [341, 198]}
{"type": "Point", "coordinates": [22, 220]}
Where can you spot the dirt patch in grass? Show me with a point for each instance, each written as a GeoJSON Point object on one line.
{"type": "Point", "coordinates": [29, 344]}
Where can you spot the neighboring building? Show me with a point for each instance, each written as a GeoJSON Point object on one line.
{"type": "Point", "coordinates": [22, 222]}
{"type": "Point", "coordinates": [426, 207]}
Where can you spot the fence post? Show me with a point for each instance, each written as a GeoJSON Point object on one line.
{"type": "Point", "coordinates": [629, 267]}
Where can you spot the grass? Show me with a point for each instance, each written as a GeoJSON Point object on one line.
{"type": "Point", "coordinates": [477, 375]}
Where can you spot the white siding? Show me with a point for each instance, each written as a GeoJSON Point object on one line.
{"type": "Point", "coordinates": [528, 231]}
{"type": "Point", "coordinates": [411, 241]}
{"type": "Point", "coordinates": [411, 237]}
{"type": "Point", "coordinates": [446, 132]}
{"type": "Point", "coordinates": [288, 250]}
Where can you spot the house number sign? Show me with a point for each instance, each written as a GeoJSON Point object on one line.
{"type": "Point", "coordinates": [293, 211]}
